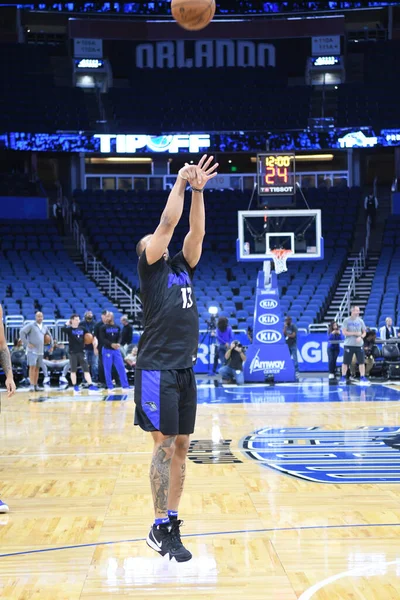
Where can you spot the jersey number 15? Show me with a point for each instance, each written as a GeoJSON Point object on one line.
{"type": "Point", "coordinates": [187, 297]}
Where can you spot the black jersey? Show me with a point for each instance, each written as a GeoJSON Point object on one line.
{"type": "Point", "coordinates": [171, 320]}
{"type": "Point", "coordinates": [109, 334]}
{"type": "Point", "coordinates": [75, 338]}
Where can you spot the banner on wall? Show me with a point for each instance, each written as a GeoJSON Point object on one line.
{"type": "Point", "coordinates": [121, 143]}
{"type": "Point", "coordinates": [312, 355]}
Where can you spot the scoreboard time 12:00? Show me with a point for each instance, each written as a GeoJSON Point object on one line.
{"type": "Point", "coordinates": [276, 174]}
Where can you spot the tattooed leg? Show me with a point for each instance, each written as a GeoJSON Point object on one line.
{"type": "Point", "coordinates": [160, 472]}
{"type": "Point", "coordinates": [178, 471]}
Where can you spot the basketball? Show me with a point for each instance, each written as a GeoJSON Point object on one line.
{"type": "Point", "coordinates": [47, 339]}
{"type": "Point", "coordinates": [193, 14]}
{"type": "Point", "coordinates": [88, 338]}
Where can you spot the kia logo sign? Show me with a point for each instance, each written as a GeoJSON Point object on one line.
{"type": "Point", "coordinates": [268, 319]}
{"type": "Point", "coordinates": [269, 304]}
{"type": "Point", "coordinates": [268, 336]}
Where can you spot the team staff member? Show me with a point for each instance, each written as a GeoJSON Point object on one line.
{"type": "Point", "coordinates": [98, 347]}
{"type": "Point", "coordinates": [5, 364]}
{"type": "Point", "coordinates": [110, 336]}
{"type": "Point", "coordinates": [76, 335]}
{"type": "Point", "coordinates": [89, 325]}
{"type": "Point", "coordinates": [165, 386]}
{"type": "Point", "coordinates": [32, 335]}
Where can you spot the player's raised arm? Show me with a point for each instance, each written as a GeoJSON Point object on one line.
{"type": "Point", "coordinates": [5, 359]}
{"type": "Point", "coordinates": [157, 245]}
{"type": "Point", "coordinates": [193, 243]}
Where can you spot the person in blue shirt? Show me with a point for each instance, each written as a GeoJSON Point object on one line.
{"type": "Point", "coordinates": [334, 336]}
{"type": "Point", "coordinates": [224, 335]}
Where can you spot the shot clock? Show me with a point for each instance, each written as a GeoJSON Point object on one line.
{"type": "Point", "coordinates": [276, 174]}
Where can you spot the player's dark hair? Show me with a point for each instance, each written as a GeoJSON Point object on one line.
{"type": "Point", "coordinates": [104, 312]}
{"type": "Point", "coordinates": [222, 324]}
{"type": "Point", "coordinates": [74, 316]}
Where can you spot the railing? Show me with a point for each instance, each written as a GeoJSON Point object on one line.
{"type": "Point", "coordinates": [99, 273]}
{"type": "Point", "coordinates": [244, 181]}
{"type": "Point", "coordinates": [356, 272]}
{"type": "Point", "coordinates": [115, 287]}
{"type": "Point", "coordinates": [14, 323]}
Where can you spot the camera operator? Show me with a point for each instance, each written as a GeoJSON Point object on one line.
{"type": "Point", "coordinates": [235, 358]}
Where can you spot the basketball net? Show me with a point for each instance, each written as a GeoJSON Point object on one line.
{"type": "Point", "coordinates": [280, 257]}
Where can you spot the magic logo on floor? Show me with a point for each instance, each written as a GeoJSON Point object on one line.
{"type": "Point", "coordinates": [326, 456]}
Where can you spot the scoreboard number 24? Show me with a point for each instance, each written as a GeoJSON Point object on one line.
{"type": "Point", "coordinates": [276, 174]}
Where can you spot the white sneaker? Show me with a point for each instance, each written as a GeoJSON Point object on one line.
{"type": "Point", "coordinates": [46, 381]}
{"type": "Point", "coordinates": [63, 379]}
{"type": "Point", "coordinates": [3, 507]}
{"type": "Point", "coordinates": [331, 376]}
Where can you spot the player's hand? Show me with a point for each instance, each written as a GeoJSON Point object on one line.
{"type": "Point", "coordinates": [358, 339]}
{"type": "Point", "coordinates": [233, 345]}
{"type": "Point", "coordinates": [198, 175]}
{"type": "Point", "coordinates": [10, 386]}
{"type": "Point", "coordinates": [115, 346]}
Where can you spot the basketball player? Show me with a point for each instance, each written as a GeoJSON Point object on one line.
{"type": "Point", "coordinates": [5, 364]}
{"type": "Point", "coordinates": [165, 386]}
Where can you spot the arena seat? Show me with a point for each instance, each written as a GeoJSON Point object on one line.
{"type": "Point", "coordinates": [46, 278]}
{"type": "Point", "coordinates": [385, 293]}
{"type": "Point", "coordinates": [305, 289]}
{"type": "Point", "coordinates": [234, 108]}
{"type": "Point", "coordinates": [29, 98]}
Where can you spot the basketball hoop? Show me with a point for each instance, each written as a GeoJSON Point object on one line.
{"type": "Point", "coordinates": [280, 257]}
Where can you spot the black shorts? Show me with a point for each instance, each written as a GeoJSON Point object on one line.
{"type": "Point", "coordinates": [166, 401]}
{"type": "Point", "coordinates": [77, 359]}
{"type": "Point", "coordinates": [349, 351]}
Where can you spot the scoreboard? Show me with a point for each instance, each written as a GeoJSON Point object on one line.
{"type": "Point", "coordinates": [276, 174]}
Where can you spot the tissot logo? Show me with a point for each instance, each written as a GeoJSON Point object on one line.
{"type": "Point", "coordinates": [268, 336]}
{"type": "Point", "coordinates": [317, 454]}
{"type": "Point", "coordinates": [269, 304]}
{"type": "Point", "coordinates": [268, 319]}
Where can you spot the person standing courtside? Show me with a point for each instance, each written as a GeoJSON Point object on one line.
{"type": "Point", "coordinates": [110, 336]}
{"type": "Point", "coordinates": [387, 332]}
{"type": "Point", "coordinates": [334, 337]}
{"type": "Point", "coordinates": [5, 364]}
{"type": "Point", "coordinates": [165, 386]}
{"type": "Point", "coordinates": [290, 333]}
{"type": "Point", "coordinates": [32, 335]}
{"type": "Point", "coordinates": [126, 333]}
{"type": "Point", "coordinates": [98, 347]}
{"type": "Point", "coordinates": [89, 325]}
{"type": "Point", "coordinates": [354, 331]}
{"type": "Point", "coordinates": [75, 335]}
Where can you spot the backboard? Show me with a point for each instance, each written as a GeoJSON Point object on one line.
{"type": "Point", "coordinates": [260, 231]}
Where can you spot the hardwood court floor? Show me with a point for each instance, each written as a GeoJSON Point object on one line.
{"type": "Point", "coordinates": [74, 472]}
